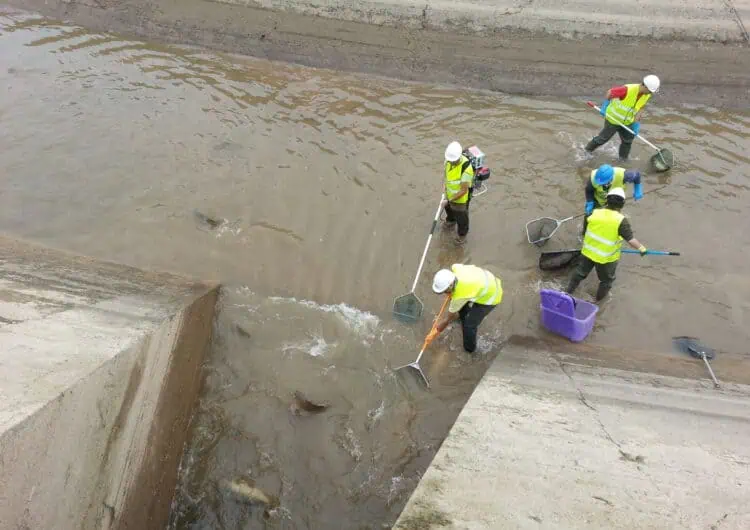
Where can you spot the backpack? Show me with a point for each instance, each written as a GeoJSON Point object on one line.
{"type": "Point", "coordinates": [481, 173]}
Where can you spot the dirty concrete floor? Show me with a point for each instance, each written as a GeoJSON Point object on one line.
{"type": "Point", "coordinates": [324, 185]}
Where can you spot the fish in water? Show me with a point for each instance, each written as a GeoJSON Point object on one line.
{"type": "Point", "coordinates": [210, 221]}
{"type": "Point", "coordinates": [247, 492]}
{"type": "Point", "coordinates": [303, 405]}
{"type": "Point", "coordinates": [241, 331]}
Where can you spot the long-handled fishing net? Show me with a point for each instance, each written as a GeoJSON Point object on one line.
{"type": "Point", "coordinates": [427, 341]}
{"type": "Point", "coordinates": [662, 161]}
{"type": "Point", "coordinates": [539, 231]}
{"type": "Point", "coordinates": [408, 307]}
{"type": "Point", "coordinates": [560, 259]}
{"type": "Point", "coordinates": [694, 348]}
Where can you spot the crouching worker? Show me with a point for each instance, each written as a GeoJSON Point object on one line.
{"type": "Point", "coordinates": [474, 293]}
{"type": "Point", "coordinates": [604, 231]}
{"type": "Point", "coordinates": [607, 177]}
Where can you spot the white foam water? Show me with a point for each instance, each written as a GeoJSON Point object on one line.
{"type": "Point", "coordinates": [361, 322]}
{"type": "Point", "coordinates": [315, 347]}
{"type": "Point", "coordinates": [226, 228]}
{"type": "Point", "coordinates": [548, 284]}
{"type": "Point", "coordinates": [375, 414]}
{"type": "Point", "coordinates": [488, 341]}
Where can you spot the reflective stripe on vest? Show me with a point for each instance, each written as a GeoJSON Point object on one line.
{"type": "Point", "coordinates": [490, 296]}
{"type": "Point", "coordinates": [602, 241]}
{"type": "Point", "coordinates": [477, 285]}
{"type": "Point", "coordinates": [453, 176]}
{"type": "Point", "coordinates": [618, 181]}
{"type": "Point", "coordinates": [623, 111]}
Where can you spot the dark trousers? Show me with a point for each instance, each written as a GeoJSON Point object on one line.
{"type": "Point", "coordinates": [458, 213]}
{"type": "Point", "coordinates": [605, 271]}
{"type": "Point", "coordinates": [609, 130]}
{"type": "Point", "coordinates": [471, 316]}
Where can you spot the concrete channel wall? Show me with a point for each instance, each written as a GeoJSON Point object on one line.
{"type": "Point", "coordinates": [552, 441]}
{"type": "Point", "coordinates": [99, 372]}
{"type": "Point", "coordinates": [707, 20]}
{"type": "Point", "coordinates": [536, 47]}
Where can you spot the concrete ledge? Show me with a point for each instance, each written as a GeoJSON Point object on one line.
{"type": "Point", "coordinates": [710, 20]}
{"type": "Point", "coordinates": [543, 443]}
{"type": "Point", "coordinates": [99, 370]}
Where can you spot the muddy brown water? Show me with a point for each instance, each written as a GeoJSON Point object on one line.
{"type": "Point", "coordinates": [325, 185]}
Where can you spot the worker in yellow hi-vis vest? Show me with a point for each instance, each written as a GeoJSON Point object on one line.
{"type": "Point", "coordinates": [459, 180]}
{"type": "Point", "coordinates": [605, 230]}
{"type": "Point", "coordinates": [623, 106]}
{"type": "Point", "coordinates": [474, 293]}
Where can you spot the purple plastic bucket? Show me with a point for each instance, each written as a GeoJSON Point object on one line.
{"type": "Point", "coordinates": [566, 315]}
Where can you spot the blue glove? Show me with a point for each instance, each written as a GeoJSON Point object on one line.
{"type": "Point", "coordinates": [632, 175]}
{"type": "Point", "coordinates": [589, 207]}
{"type": "Point", "coordinates": [635, 127]}
{"type": "Point", "coordinates": [637, 192]}
{"type": "Point", "coordinates": [603, 110]}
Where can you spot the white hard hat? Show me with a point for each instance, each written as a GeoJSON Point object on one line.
{"type": "Point", "coordinates": [652, 83]}
{"type": "Point", "coordinates": [617, 191]}
{"type": "Point", "coordinates": [453, 152]}
{"type": "Point", "coordinates": [443, 279]}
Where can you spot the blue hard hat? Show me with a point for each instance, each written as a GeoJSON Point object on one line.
{"type": "Point", "coordinates": [604, 174]}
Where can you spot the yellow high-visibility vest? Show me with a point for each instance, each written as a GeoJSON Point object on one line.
{"type": "Point", "coordinates": [623, 111]}
{"type": "Point", "coordinates": [602, 241]}
{"type": "Point", "coordinates": [618, 181]}
{"type": "Point", "coordinates": [453, 174]}
{"type": "Point", "coordinates": [477, 285]}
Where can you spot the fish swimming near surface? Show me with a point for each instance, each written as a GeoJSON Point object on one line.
{"type": "Point", "coordinates": [303, 406]}
{"type": "Point", "coordinates": [242, 490]}
{"type": "Point", "coordinates": [209, 221]}
{"type": "Point", "coordinates": [241, 331]}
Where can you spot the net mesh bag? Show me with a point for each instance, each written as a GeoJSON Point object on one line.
{"type": "Point", "coordinates": [539, 230]}
{"type": "Point", "coordinates": [407, 307]}
{"type": "Point", "coordinates": [558, 260]}
{"type": "Point", "coordinates": [693, 347]}
{"type": "Point", "coordinates": [663, 160]}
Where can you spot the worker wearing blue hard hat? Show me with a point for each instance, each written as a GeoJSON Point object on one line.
{"type": "Point", "coordinates": [606, 177]}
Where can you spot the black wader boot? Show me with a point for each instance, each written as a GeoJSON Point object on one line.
{"type": "Point", "coordinates": [602, 291]}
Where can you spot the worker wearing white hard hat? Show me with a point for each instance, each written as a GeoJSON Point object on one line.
{"type": "Point", "coordinates": [459, 178]}
{"type": "Point", "coordinates": [474, 293]}
{"type": "Point", "coordinates": [623, 106]}
{"type": "Point", "coordinates": [604, 231]}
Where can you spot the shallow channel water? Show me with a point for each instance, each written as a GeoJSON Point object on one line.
{"type": "Point", "coordinates": [326, 185]}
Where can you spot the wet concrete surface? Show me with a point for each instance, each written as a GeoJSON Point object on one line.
{"type": "Point", "coordinates": [100, 369]}
{"type": "Point", "coordinates": [545, 442]}
{"type": "Point", "coordinates": [322, 187]}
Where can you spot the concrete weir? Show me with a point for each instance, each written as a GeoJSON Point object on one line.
{"type": "Point", "coordinates": [546, 442]}
{"type": "Point", "coordinates": [99, 370]}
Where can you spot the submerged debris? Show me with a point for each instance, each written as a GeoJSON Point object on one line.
{"type": "Point", "coordinates": [246, 492]}
{"type": "Point", "coordinates": [208, 221]}
{"type": "Point", "coordinates": [303, 405]}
